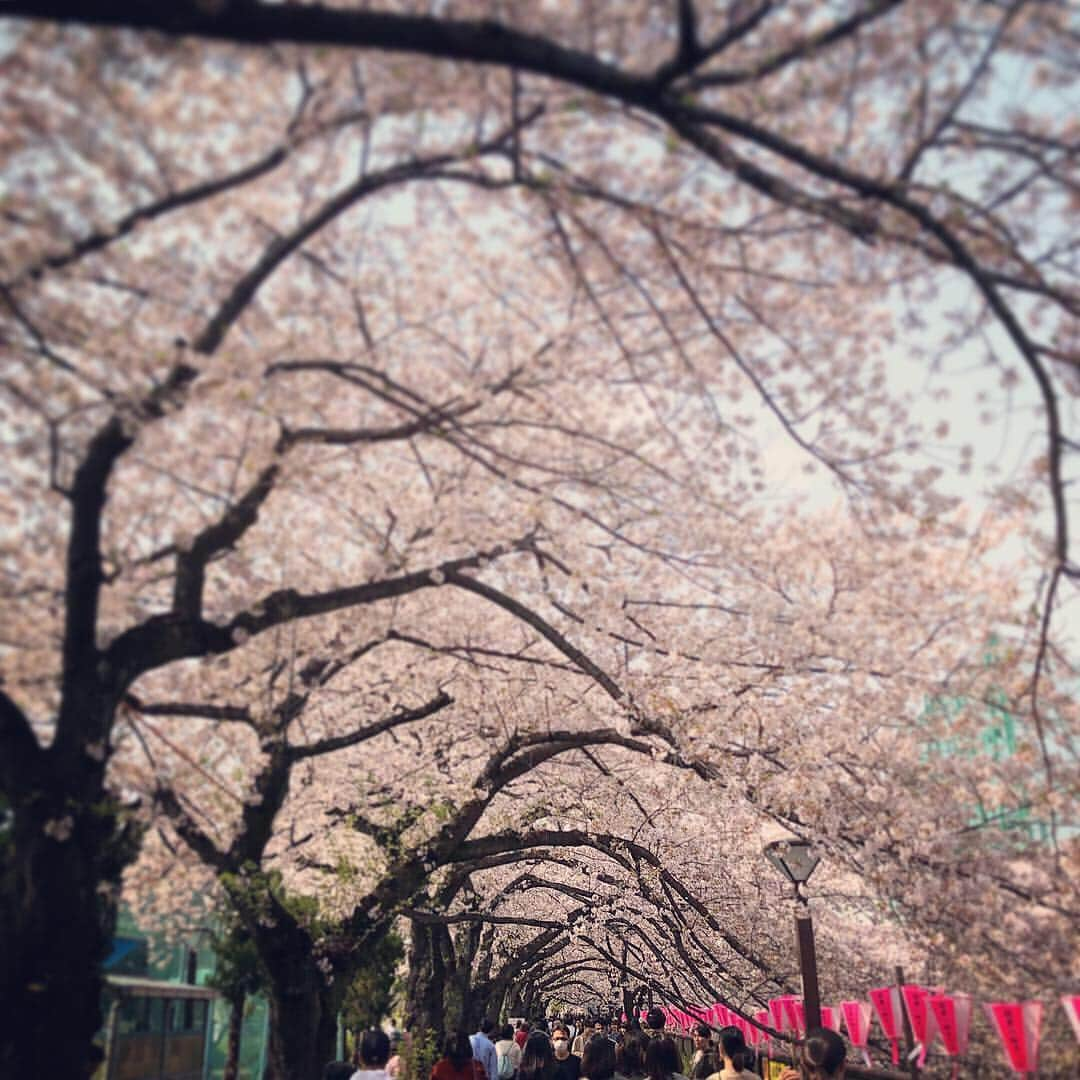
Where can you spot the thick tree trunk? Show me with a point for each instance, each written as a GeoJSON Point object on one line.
{"type": "Point", "coordinates": [301, 1032]}
{"type": "Point", "coordinates": [60, 866]}
{"type": "Point", "coordinates": [236, 1028]}
{"type": "Point", "coordinates": [425, 986]}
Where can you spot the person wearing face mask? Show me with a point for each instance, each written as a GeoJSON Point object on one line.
{"type": "Point", "coordinates": [567, 1065]}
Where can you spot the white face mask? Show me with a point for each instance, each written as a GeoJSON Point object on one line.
{"type": "Point", "coordinates": [561, 1044]}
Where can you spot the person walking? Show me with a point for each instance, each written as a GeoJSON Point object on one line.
{"type": "Point", "coordinates": [537, 1059]}
{"type": "Point", "coordinates": [598, 1061]}
{"type": "Point", "coordinates": [735, 1054]}
{"type": "Point", "coordinates": [567, 1064]}
{"type": "Point", "coordinates": [577, 1047]}
{"type": "Point", "coordinates": [458, 1062]}
{"type": "Point", "coordinates": [373, 1053]}
{"type": "Point", "coordinates": [821, 1057]}
{"type": "Point", "coordinates": [654, 1022]}
{"type": "Point", "coordinates": [509, 1053]}
{"type": "Point", "coordinates": [483, 1047]}
{"type": "Point", "coordinates": [630, 1057]}
{"type": "Point", "coordinates": [662, 1059]}
{"type": "Point", "coordinates": [704, 1062]}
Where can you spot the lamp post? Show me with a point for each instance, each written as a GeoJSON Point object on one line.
{"type": "Point", "coordinates": [796, 861]}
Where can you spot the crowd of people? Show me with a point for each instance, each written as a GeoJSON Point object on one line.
{"type": "Point", "coordinates": [568, 1050]}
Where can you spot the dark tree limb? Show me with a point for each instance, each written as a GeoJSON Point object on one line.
{"type": "Point", "coordinates": [21, 756]}
{"type": "Point", "coordinates": [402, 716]}
{"type": "Point", "coordinates": [213, 540]}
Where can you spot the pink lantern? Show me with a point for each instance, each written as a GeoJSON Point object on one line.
{"type": "Point", "coordinates": [857, 1022]}
{"type": "Point", "coordinates": [952, 1014]}
{"type": "Point", "coordinates": [784, 1015]}
{"type": "Point", "coordinates": [830, 1017]}
{"type": "Point", "coordinates": [923, 1025]}
{"type": "Point", "coordinates": [1071, 1004]}
{"type": "Point", "coordinates": [798, 1012]}
{"type": "Point", "coordinates": [752, 1034]}
{"type": "Point", "coordinates": [1017, 1025]}
{"type": "Point", "coordinates": [886, 1002]}
{"type": "Point", "coordinates": [776, 1013]}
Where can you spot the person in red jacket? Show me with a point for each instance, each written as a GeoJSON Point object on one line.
{"type": "Point", "coordinates": [457, 1062]}
{"type": "Point", "coordinates": [521, 1036]}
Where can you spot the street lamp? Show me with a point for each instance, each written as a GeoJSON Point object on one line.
{"type": "Point", "coordinates": [796, 861]}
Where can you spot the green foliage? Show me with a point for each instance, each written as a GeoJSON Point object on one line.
{"type": "Point", "coordinates": [238, 972]}
{"type": "Point", "coordinates": [419, 1054]}
{"type": "Point", "coordinates": [370, 994]}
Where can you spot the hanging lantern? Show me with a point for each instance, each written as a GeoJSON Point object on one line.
{"type": "Point", "coordinates": [857, 1022]}
{"type": "Point", "coordinates": [923, 1025]}
{"type": "Point", "coordinates": [831, 1017]}
{"type": "Point", "coordinates": [952, 1015]}
{"type": "Point", "coordinates": [1071, 1004]}
{"type": "Point", "coordinates": [1018, 1025]}
{"type": "Point", "coordinates": [886, 1002]}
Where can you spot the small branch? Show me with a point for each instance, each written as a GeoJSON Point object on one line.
{"type": "Point", "coordinates": [192, 709]}
{"type": "Point", "coordinates": [214, 539]}
{"type": "Point", "coordinates": [339, 742]}
{"type": "Point", "coordinates": [281, 247]}
{"type": "Point", "coordinates": [190, 832]}
{"type": "Point", "coordinates": [541, 626]}
{"type": "Point", "coordinates": [800, 50]}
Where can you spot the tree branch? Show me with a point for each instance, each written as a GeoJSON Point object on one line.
{"type": "Point", "coordinates": [281, 247]}
{"type": "Point", "coordinates": [192, 709]}
{"type": "Point", "coordinates": [215, 538]}
{"type": "Point", "coordinates": [162, 639]}
{"type": "Point", "coordinates": [21, 755]}
{"type": "Point", "coordinates": [395, 719]}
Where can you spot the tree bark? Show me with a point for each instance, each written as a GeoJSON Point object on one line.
{"type": "Point", "coordinates": [301, 1035]}
{"type": "Point", "coordinates": [425, 987]}
{"type": "Point", "coordinates": [236, 1028]}
{"type": "Point", "coordinates": [60, 868]}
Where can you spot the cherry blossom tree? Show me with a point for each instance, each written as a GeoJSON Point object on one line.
{"type": "Point", "coordinates": [427, 348]}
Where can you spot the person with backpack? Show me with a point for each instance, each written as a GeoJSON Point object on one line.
{"type": "Point", "coordinates": [508, 1054]}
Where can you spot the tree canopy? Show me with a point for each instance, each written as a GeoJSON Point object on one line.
{"type": "Point", "coordinates": [398, 530]}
